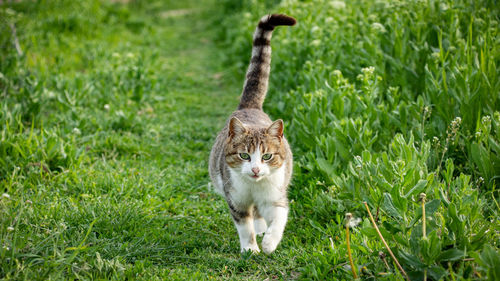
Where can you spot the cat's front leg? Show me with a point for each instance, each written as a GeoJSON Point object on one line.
{"type": "Point", "coordinates": [243, 220]}
{"type": "Point", "coordinates": [276, 217]}
{"type": "Point", "coordinates": [246, 233]}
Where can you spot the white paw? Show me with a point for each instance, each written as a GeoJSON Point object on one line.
{"type": "Point", "coordinates": [253, 248]}
{"type": "Point", "coordinates": [269, 244]}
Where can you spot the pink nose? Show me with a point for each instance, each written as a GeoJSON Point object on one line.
{"type": "Point", "coordinates": [255, 170]}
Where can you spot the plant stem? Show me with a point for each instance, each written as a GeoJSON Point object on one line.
{"type": "Point", "coordinates": [15, 40]}
{"type": "Point", "coordinates": [422, 199]}
{"type": "Point", "coordinates": [382, 257]}
{"type": "Point", "coordinates": [385, 243]}
{"type": "Point", "coordinates": [349, 255]}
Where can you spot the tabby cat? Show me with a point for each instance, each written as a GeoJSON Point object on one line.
{"type": "Point", "coordinates": [251, 161]}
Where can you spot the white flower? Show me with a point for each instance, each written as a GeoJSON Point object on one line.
{"type": "Point", "coordinates": [351, 221]}
{"type": "Point", "coordinates": [337, 72]}
{"type": "Point", "coordinates": [106, 107]}
{"type": "Point", "coordinates": [368, 70]}
{"type": "Point", "coordinates": [337, 4]}
{"type": "Point", "coordinates": [76, 131]}
{"type": "Point", "coordinates": [315, 43]}
{"type": "Point", "coordinates": [378, 27]}
{"type": "Point", "coordinates": [354, 222]}
{"type": "Point", "coordinates": [6, 196]}
{"type": "Point", "coordinates": [315, 29]}
{"type": "Point", "coordinates": [10, 229]}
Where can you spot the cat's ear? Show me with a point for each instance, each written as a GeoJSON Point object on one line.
{"type": "Point", "coordinates": [236, 127]}
{"type": "Point", "coordinates": [276, 129]}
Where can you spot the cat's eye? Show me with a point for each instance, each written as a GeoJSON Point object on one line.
{"type": "Point", "coordinates": [267, 156]}
{"type": "Point", "coordinates": [244, 156]}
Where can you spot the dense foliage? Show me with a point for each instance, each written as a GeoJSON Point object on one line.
{"type": "Point", "coordinates": [386, 100]}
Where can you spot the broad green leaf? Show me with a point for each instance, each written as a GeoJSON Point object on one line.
{"type": "Point", "coordinates": [451, 255]}
{"type": "Point", "coordinates": [418, 188]}
{"type": "Point", "coordinates": [369, 231]}
{"type": "Point", "coordinates": [389, 207]}
{"type": "Point", "coordinates": [430, 209]}
{"type": "Point", "coordinates": [491, 258]}
{"type": "Point", "coordinates": [430, 247]}
{"type": "Point", "coordinates": [325, 166]}
{"type": "Point", "coordinates": [410, 260]}
{"type": "Point", "coordinates": [436, 272]}
{"type": "Point", "coordinates": [481, 158]}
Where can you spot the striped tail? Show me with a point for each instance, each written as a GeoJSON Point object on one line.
{"type": "Point", "coordinates": [255, 87]}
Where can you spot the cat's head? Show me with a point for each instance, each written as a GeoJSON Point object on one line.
{"type": "Point", "coordinates": [255, 153]}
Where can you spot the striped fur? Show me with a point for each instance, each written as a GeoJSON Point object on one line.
{"type": "Point", "coordinates": [255, 186]}
{"type": "Point", "coordinates": [257, 77]}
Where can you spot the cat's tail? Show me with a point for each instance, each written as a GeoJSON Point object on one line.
{"type": "Point", "coordinates": [255, 87]}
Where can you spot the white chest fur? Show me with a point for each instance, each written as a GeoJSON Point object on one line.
{"type": "Point", "coordinates": [247, 191]}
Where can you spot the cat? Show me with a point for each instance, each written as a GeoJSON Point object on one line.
{"type": "Point", "coordinates": [251, 162]}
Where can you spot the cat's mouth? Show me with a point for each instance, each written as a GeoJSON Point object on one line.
{"type": "Point", "coordinates": [256, 177]}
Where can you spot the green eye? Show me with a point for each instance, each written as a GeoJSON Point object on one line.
{"type": "Point", "coordinates": [244, 156]}
{"type": "Point", "coordinates": [267, 156]}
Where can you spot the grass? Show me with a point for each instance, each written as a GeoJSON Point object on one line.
{"type": "Point", "coordinates": [108, 115]}
{"type": "Point", "coordinates": [106, 127]}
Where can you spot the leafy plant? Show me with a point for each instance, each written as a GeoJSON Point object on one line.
{"type": "Point", "coordinates": [387, 100]}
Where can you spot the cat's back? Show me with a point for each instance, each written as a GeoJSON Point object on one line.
{"type": "Point", "coordinates": [251, 117]}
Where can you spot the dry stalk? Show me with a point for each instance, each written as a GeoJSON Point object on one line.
{"type": "Point", "coordinates": [422, 197]}
{"type": "Point", "coordinates": [385, 244]}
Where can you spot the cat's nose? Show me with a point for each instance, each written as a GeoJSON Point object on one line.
{"type": "Point", "coordinates": [256, 170]}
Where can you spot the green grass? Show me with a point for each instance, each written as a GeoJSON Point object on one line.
{"type": "Point", "coordinates": [108, 117]}
{"type": "Point", "coordinates": [106, 127]}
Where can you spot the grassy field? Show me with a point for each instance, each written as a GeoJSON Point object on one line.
{"type": "Point", "coordinates": [108, 110]}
